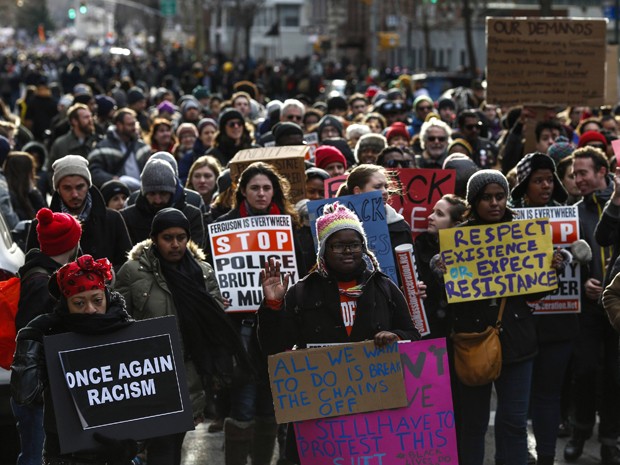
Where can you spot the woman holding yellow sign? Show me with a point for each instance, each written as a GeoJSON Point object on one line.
{"type": "Point", "coordinates": [487, 193]}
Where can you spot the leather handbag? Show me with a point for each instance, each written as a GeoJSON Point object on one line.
{"type": "Point", "coordinates": [478, 356]}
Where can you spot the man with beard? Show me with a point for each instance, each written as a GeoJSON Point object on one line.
{"type": "Point", "coordinates": [80, 140]}
{"type": "Point", "coordinates": [160, 190]}
{"type": "Point", "coordinates": [434, 138]}
{"type": "Point", "coordinates": [104, 234]}
{"type": "Point", "coordinates": [484, 151]}
{"type": "Point", "coordinates": [120, 155]}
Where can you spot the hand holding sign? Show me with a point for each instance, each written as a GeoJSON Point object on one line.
{"type": "Point", "coordinates": [274, 284]}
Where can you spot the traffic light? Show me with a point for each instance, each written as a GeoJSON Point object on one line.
{"type": "Point", "coordinates": [71, 13]}
{"type": "Point", "coordinates": [83, 8]}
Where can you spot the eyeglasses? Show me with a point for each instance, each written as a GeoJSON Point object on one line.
{"type": "Point", "coordinates": [398, 163]}
{"type": "Point", "coordinates": [392, 107]}
{"type": "Point", "coordinates": [476, 126]}
{"type": "Point", "coordinates": [436, 138]}
{"type": "Point", "coordinates": [424, 108]}
{"type": "Point", "coordinates": [234, 124]}
{"type": "Point", "coordinates": [294, 117]}
{"type": "Point", "coordinates": [354, 247]}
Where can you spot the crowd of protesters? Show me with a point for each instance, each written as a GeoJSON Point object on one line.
{"type": "Point", "coordinates": [137, 151]}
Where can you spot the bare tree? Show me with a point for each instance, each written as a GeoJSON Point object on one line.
{"type": "Point", "coordinates": [546, 7]}
{"type": "Point", "coordinates": [243, 13]}
{"type": "Point", "coordinates": [469, 40]}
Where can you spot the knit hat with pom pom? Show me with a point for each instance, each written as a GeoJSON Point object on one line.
{"type": "Point", "coordinates": [57, 232]}
{"type": "Point", "coordinates": [337, 217]}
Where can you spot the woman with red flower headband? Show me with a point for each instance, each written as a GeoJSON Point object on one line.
{"type": "Point", "coordinates": [87, 306]}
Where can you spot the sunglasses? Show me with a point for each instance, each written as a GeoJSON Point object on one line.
{"type": "Point", "coordinates": [294, 117]}
{"type": "Point", "coordinates": [425, 108]}
{"type": "Point", "coordinates": [396, 107]}
{"type": "Point", "coordinates": [471, 127]}
{"type": "Point", "coordinates": [436, 139]}
{"type": "Point", "coordinates": [398, 163]}
{"type": "Point", "coordinates": [234, 124]}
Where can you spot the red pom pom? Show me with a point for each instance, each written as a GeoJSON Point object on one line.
{"type": "Point", "coordinates": [45, 216]}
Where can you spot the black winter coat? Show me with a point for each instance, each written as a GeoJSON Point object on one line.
{"type": "Point", "coordinates": [104, 234]}
{"type": "Point", "coordinates": [311, 314]}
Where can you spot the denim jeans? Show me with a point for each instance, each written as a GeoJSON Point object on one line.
{"type": "Point", "coordinates": [547, 381]}
{"type": "Point", "coordinates": [31, 435]}
{"type": "Point", "coordinates": [513, 393]}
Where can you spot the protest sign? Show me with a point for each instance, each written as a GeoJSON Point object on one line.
{"type": "Point", "coordinates": [312, 142]}
{"type": "Point", "coordinates": [421, 433]}
{"type": "Point", "coordinates": [336, 380]}
{"type": "Point", "coordinates": [564, 223]}
{"type": "Point", "coordinates": [497, 260]}
{"type": "Point", "coordinates": [371, 212]}
{"type": "Point", "coordinates": [409, 279]}
{"type": "Point", "coordinates": [420, 189]}
{"type": "Point", "coordinates": [333, 184]}
{"type": "Point", "coordinates": [240, 250]}
{"type": "Point", "coordinates": [546, 61]}
{"type": "Point", "coordinates": [126, 384]}
{"type": "Point", "coordinates": [288, 160]}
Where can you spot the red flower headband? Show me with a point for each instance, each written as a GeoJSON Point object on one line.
{"type": "Point", "coordinates": [84, 274]}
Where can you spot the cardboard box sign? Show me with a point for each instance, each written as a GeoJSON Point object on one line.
{"type": "Point", "coordinates": [336, 380]}
{"type": "Point", "coordinates": [546, 61]}
{"type": "Point", "coordinates": [126, 384]}
{"type": "Point", "coordinates": [289, 161]}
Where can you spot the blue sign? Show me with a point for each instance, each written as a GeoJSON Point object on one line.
{"type": "Point", "coordinates": [371, 212]}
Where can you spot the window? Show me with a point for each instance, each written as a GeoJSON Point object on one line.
{"type": "Point", "coordinates": [288, 15]}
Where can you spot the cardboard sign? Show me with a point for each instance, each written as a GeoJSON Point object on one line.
{"type": "Point", "coordinates": [333, 184]}
{"type": "Point", "coordinates": [240, 250]}
{"type": "Point", "coordinates": [537, 61]}
{"type": "Point", "coordinates": [422, 433]}
{"type": "Point", "coordinates": [497, 260]}
{"type": "Point", "coordinates": [611, 78]}
{"type": "Point", "coordinates": [126, 384]}
{"type": "Point", "coordinates": [564, 223]}
{"type": "Point", "coordinates": [289, 161]}
{"type": "Point", "coordinates": [420, 190]}
{"type": "Point", "coordinates": [371, 212]}
{"type": "Point", "coordinates": [336, 380]}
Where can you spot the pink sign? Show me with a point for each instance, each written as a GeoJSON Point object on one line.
{"type": "Point", "coordinates": [423, 432]}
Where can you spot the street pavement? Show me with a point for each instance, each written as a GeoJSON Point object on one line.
{"type": "Point", "coordinates": [202, 447]}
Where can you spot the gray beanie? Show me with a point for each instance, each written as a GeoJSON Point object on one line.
{"type": "Point", "coordinates": [70, 165]}
{"type": "Point", "coordinates": [167, 157]}
{"type": "Point", "coordinates": [480, 179]}
{"type": "Point", "coordinates": [158, 176]}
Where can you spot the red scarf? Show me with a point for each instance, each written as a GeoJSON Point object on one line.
{"type": "Point", "coordinates": [245, 211]}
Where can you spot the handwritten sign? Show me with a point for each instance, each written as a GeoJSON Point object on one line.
{"type": "Point", "coordinates": [288, 160]}
{"type": "Point", "coordinates": [564, 223]}
{"type": "Point", "coordinates": [371, 212]}
{"type": "Point", "coordinates": [336, 380]}
{"type": "Point", "coordinates": [497, 260]}
{"type": "Point", "coordinates": [240, 249]}
{"type": "Point", "coordinates": [126, 384]}
{"type": "Point", "coordinates": [549, 61]}
{"type": "Point", "coordinates": [421, 433]}
{"type": "Point", "coordinates": [420, 190]}
{"type": "Point", "coordinates": [333, 184]}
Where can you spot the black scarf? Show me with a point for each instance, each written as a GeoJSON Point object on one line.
{"type": "Point", "coordinates": [209, 337]}
{"type": "Point", "coordinates": [115, 318]}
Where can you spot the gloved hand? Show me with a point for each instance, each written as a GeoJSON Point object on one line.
{"type": "Point", "coordinates": [120, 451]}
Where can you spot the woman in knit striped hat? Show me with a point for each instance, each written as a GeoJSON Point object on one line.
{"type": "Point", "coordinates": [346, 298]}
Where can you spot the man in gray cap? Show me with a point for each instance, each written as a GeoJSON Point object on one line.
{"type": "Point", "coordinates": [160, 190]}
{"type": "Point", "coordinates": [104, 234]}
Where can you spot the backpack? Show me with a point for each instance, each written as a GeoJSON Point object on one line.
{"type": "Point", "coordinates": [9, 300]}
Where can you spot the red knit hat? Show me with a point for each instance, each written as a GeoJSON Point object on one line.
{"type": "Point", "coordinates": [57, 232]}
{"type": "Point", "coordinates": [397, 129]}
{"type": "Point", "coordinates": [591, 136]}
{"type": "Point", "coordinates": [326, 154]}
{"type": "Point", "coordinates": [84, 274]}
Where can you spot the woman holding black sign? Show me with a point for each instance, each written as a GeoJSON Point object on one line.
{"type": "Point", "coordinates": [86, 306]}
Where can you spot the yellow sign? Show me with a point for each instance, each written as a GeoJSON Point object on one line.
{"type": "Point", "coordinates": [498, 260]}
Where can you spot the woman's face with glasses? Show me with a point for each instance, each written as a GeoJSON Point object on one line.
{"type": "Point", "coordinates": [234, 129]}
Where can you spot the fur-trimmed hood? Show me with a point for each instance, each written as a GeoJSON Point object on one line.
{"type": "Point", "coordinates": [141, 248]}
